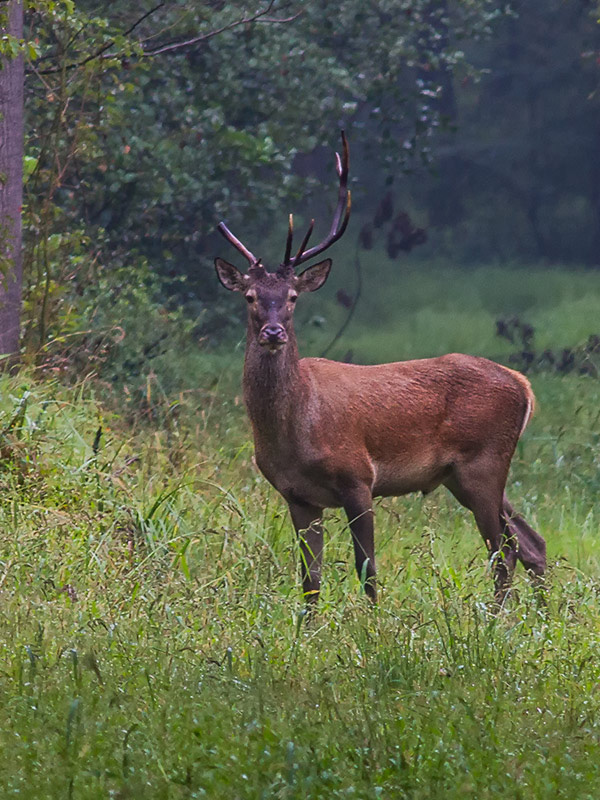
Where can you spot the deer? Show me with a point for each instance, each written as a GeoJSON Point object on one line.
{"type": "Point", "coordinates": [336, 435]}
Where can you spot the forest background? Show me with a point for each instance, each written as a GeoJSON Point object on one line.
{"type": "Point", "coordinates": [473, 127]}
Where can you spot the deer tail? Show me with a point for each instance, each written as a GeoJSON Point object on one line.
{"type": "Point", "coordinates": [529, 398]}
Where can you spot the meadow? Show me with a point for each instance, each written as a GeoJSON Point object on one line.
{"type": "Point", "coordinates": [152, 633]}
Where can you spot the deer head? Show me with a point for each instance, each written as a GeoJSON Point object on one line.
{"type": "Point", "coordinates": [271, 296]}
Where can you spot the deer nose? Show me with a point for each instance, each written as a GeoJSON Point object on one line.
{"type": "Point", "coordinates": [272, 333]}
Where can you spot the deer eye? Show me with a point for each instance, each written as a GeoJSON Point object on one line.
{"type": "Point", "coordinates": [250, 298]}
{"type": "Point", "coordinates": [293, 298]}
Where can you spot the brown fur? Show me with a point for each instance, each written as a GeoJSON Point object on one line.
{"type": "Point", "coordinates": [402, 427]}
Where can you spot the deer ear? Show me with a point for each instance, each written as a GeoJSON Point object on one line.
{"type": "Point", "coordinates": [230, 276]}
{"type": "Point", "coordinates": [313, 277]}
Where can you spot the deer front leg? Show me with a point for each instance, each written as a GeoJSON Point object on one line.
{"type": "Point", "coordinates": [308, 525]}
{"type": "Point", "coordinates": [358, 505]}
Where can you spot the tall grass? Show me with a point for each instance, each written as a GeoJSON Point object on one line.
{"type": "Point", "coordinates": [152, 632]}
{"type": "Point", "coordinates": [413, 312]}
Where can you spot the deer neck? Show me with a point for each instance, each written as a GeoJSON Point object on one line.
{"type": "Point", "coordinates": [272, 386]}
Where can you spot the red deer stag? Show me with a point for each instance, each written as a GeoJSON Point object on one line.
{"type": "Point", "coordinates": [331, 435]}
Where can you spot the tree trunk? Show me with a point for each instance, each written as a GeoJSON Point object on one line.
{"type": "Point", "coordinates": [11, 184]}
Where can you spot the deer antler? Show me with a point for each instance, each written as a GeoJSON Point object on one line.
{"type": "Point", "coordinates": [255, 263]}
{"type": "Point", "coordinates": [338, 225]}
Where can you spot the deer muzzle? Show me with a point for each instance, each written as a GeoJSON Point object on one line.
{"type": "Point", "coordinates": [273, 336]}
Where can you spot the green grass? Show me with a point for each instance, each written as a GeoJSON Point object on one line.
{"type": "Point", "coordinates": [152, 637]}
{"type": "Point", "coordinates": [412, 310]}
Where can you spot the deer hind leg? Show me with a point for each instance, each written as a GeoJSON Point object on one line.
{"type": "Point", "coordinates": [358, 505]}
{"type": "Point", "coordinates": [531, 550]}
{"type": "Point", "coordinates": [482, 493]}
{"type": "Point", "coordinates": [307, 521]}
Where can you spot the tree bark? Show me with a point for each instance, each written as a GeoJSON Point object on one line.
{"type": "Point", "coordinates": [11, 184]}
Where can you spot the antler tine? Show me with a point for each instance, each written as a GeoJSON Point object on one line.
{"type": "Point", "coordinates": [338, 164]}
{"type": "Point", "coordinates": [342, 211]}
{"type": "Point", "coordinates": [290, 237]}
{"type": "Point", "coordinates": [304, 241]}
{"type": "Point", "coordinates": [342, 166]}
{"type": "Point", "coordinates": [224, 231]}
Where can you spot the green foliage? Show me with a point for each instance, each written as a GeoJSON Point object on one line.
{"type": "Point", "coordinates": [148, 153]}
{"type": "Point", "coordinates": [154, 149]}
{"type": "Point", "coordinates": [111, 321]}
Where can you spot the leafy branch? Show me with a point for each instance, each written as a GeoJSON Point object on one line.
{"type": "Point", "coordinates": [174, 46]}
